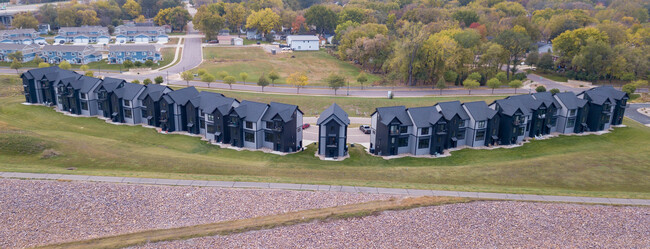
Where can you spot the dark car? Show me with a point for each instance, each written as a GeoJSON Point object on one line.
{"type": "Point", "coordinates": [213, 41]}
{"type": "Point", "coordinates": [305, 126]}
{"type": "Point", "coordinates": [365, 129]}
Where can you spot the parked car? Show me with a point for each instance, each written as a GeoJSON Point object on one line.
{"type": "Point", "coordinates": [365, 129]}
{"type": "Point", "coordinates": [305, 126]}
{"type": "Point", "coordinates": [213, 41]}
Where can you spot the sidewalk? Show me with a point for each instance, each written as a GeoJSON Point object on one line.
{"type": "Point", "coordinates": [335, 188]}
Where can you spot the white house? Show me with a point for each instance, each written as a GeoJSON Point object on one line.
{"type": "Point", "coordinates": [303, 42]}
{"type": "Point", "coordinates": [236, 41]}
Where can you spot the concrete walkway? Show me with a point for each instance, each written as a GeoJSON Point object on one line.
{"type": "Point", "coordinates": [350, 189]}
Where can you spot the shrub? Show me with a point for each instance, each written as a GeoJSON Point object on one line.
{"type": "Point", "coordinates": [146, 81]}
{"type": "Point", "coordinates": [555, 91]}
{"type": "Point", "coordinates": [159, 80]}
{"type": "Point", "coordinates": [137, 64]}
{"type": "Point", "coordinates": [540, 89]}
{"type": "Point", "coordinates": [149, 63]}
{"type": "Point", "coordinates": [629, 88]}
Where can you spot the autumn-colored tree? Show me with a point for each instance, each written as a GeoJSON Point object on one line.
{"type": "Point", "coordinates": [470, 84]}
{"type": "Point", "coordinates": [131, 9]}
{"type": "Point", "coordinates": [43, 64]}
{"type": "Point", "coordinates": [25, 20]}
{"type": "Point", "coordinates": [229, 80]}
{"type": "Point", "coordinates": [273, 75]}
{"type": "Point", "coordinates": [187, 76]}
{"type": "Point", "coordinates": [298, 80]}
{"type": "Point", "coordinates": [65, 65]}
{"type": "Point", "coordinates": [176, 17]}
{"type": "Point", "coordinates": [298, 23]}
{"type": "Point", "coordinates": [243, 76]}
{"type": "Point", "coordinates": [264, 21]}
{"type": "Point", "coordinates": [235, 16]}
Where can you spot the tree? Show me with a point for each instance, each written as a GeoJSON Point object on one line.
{"type": "Point", "coordinates": [298, 23]}
{"type": "Point", "coordinates": [187, 76]}
{"type": "Point", "coordinates": [229, 80]}
{"type": "Point", "coordinates": [135, 81]}
{"type": "Point", "coordinates": [146, 81]}
{"type": "Point", "coordinates": [362, 78]}
{"type": "Point", "coordinates": [554, 91]}
{"type": "Point", "coordinates": [16, 56]}
{"type": "Point", "coordinates": [540, 89]}
{"type": "Point", "coordinates": [532, 58]}
{"type": "Point", "coordinates": [263, 81]}
{"type": "Point", "coordinates": [629, 88]}
{"type": "Point", "coordinates": [82, 67]}
{"type": "Point", "coordinates": [222, 74]}
{"type": "Point", "coordinates": [335, 82]}
{"type": "Point", "coordinates": [515, 84]}
{"type": "Point", "coordinates": [441, 84]}
{"type": "Point", "coordinates": [43, 64]}
{"type": "Point", "coordinates": [16, 65]}
{"type": "Point", "coordinates": [322, 17]}
{"type": "Point", "coordinates": [37, 60]}
{"type": "Point", "coordinates": [235, 16]}
{"type": "Point", "coordinates": [127, 64]}
{"type": "Point", "coordinates": [159, 80]}
{"type": "Point", "coordinates": [273, 75]}
{"type": "Point", "coordinates": [137, 64]}
{"type": "Point", "coordinates": [243, 76]}
{"type": "Point", "coordinates": [201, 72]}
{"type": "Point", "coordinates": [89, 73]}
{"type": "Point", "coordinates": [176, 17]}
{"type": "Point", "coordinates": [515, 41]}
{"type": "Point", "coordinates": [65, 65]}
{"type": "Point", "coordinates": [148, 63]}
{"type": "Point", "coordinates": [474, 76]}
{"type": "Point", "coordinates": [25, 20]}
{"type": "Point", "coordinates": [208, 78]}
{"type": "Point", "coordinates": [470, 84]}
{"type": "Point", "coordinates": [208, 20]}
{"type": "Point", "coordinates": [87, 17]}
{"type": "Point", "coordinates": [298, 80]}
{"type": "Point", "coordinates": [493, 83]}
{"type": "Point", "coordinates": [131, 9]}
{"type": "Point", "coordinates": [264, 21]}
{"type": "Point", "coordinates": [546, 62]}
{"type": "Point", "coordinates": [466, 17]}
{"type": "Point", "coordinates": [568, 44]}
{"type": "Point", "coordinates": [501, 76]}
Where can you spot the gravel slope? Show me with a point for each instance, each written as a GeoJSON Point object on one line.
{"type": "Point", "coordinates": [43, 212]}
{"type": "Point", "coordinates": [469, 225]}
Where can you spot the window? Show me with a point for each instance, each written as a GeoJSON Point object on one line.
{"type": "Point", "coordinates": [461, 124]}
{"type": "Point", "coordinates": [423, 143]}
{"type": "Point", "coordinates": [127, 103]}
{"type": "Point", "coordinates": [571, 122]}
{"type": "Point", "coordinates": [572, 112]}
{"type": "Point", "coordinates": [127, 113]}
{"type": "Point", "coordinates": [268, 137]}
{"type": "Point", "coordinates": [481, 124]}
{"type": "Point", "coordinates": [249, 137]}
{"type": "Point", "coordinates": [441, 128]}
{"type": "Point", "coordinates": [249, 125]}
{"type": "Point", "coordinates": [84, 105]}
{"type": "Point", "coordinates": [202, 123]}
{"type": "Point", "coordinates": [99, 106]}
{"type": "Point", "coordinates": [425, 131]}
{"type": "Point", "coordinates": [461, 134]}
{"type": "Point", "coordinates": [332, 130]}
{"type": "Point", "coordinates": [83, 95]}
{"type": "Point", "coordinates": [269, 125]}
{"type": "Point", "coordinates": [211, 129]}
{"type": "Point", "coordinates": [554, 121]}
{"type": "Point", "coordinates": [480, 135]}
{"type": "Point", "coordinates": [403, 129]}
{"type": "Point", "coordinates": [393, 130]}
{"type": "Point", "coordinates": [403, 142]}
{"type": "Point", "coordinates": [210, 118]}
{"type": "Point", "coordinates": [144, 113]}
{"type": "Point", "coordinates": [330, 141]}
{"type": "Point", "coordinates": [521, 131]}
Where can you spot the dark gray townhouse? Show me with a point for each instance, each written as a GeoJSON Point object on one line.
{"type": "Point", "coordinates": [572, 117]}
{"type": "Point", "coordinates": [513, 120]}
{"type": "Point", "coordinates": [282, 127]}
{"type": "Point", "coordinates": [606, 107]}
{"type": "Point", "coordinates": [179, 111]}
{"type": "Point", "coordinates": [429, 130]}
{"type": "Point", "coordinates": [333, 132]}
{"type": "Point", "coordinates": [108, 104]}
{"type": "Point", "coordinates": [130, 108]}
{"type": "Point", "coordinates": [391, 131]}
{"type": "Point", "coordinates": [38, 84]}
{"type": "Point", "coordinates": [150, 103]}
{"type": "Point", "coordinates": [457, 121]}
{"type": "Point", "coordinates": [483, 127]}
{"type": "Point", "coordinates": [245, 124]}
{"type": "Point", "coordinates": [214, 112]}
{"type": "Point", "coordinates": [76, 95]}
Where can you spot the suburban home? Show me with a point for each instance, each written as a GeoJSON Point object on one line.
{"type": "Point", "coordinates": [75, 94]}
{"type": "Point", "coordinates": [303, 42]}
{"type": "Point", "coordinates": [391, 129]}
{"type": "Point", "coordinates": [38, 84]}
{"type": "Point", "coordinates": [572, 117]}
{"type": "Point", "coordinates": [244, 124]}
{"type": "Point", "coordinates": [140, 34]}
{"type": "Point", "coordinates": [606, 107]}
{"type": "Point", "coordinates": [333, 132]}
{"type": "Point", "coordinates": [44, 29]}
{"type": "Point", "coordinates": [150, 103]}
{"type": "Point", "coordinates": [29, 51]}
{"type": "Point", "coordinates": [214, 122]}
{"type": "Point", "coordinates": [513, 120]}
{"type": "Point", "coordinates": [130, 108]}
{"type": "Point", "coordinates": [483, 128]}
{"type": "Point", "coordinates": [236, 41]}
{"type": "Point", "coordinates": [74, 54]}
{"type": "Point", "coordinates": [21, 36]}
{"type": "Point", "coordinates": [252, 34]}
{"type": "Point", "coordinates": [548, 113]}
{"type": "Point", "coordinates": [83, 35]}
{"type": "Point", "coordinates": [457, 120]}
{"type": "Point", "coordinates": [179, 112]}
{"type": "Point", "coordinates": [282, 128]}
{"type": "Point", "coordinates": [429, 131]}
{"type": "Point", "coordinates": [108, 104]}
{"type": "Point", "coordinates": [120, 53]}
{"type": "Point", "coordinates": [538, 123]}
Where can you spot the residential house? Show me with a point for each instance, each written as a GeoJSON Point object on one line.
{"type": "Point", "coordinates": [83, 35]}
{"type": "Point", "coordinates": [20, 36]}
{"type": "Point", "coordinates": [333, 132]}
{"type": "Point", "coordinates": [548, 113]}
{"type": "Point", "coordinates": [303, 42]}
{"type": "Point", "coordinates": [513, 120]}
{"type": "Point", "coordinates": [245, 124]}
{"type": "Point", "coordinates": [606, 107]}
{"type": "Point", "coordinates": [75, 94]}
{"type": "Point", "coordinates": [44, 29]}
{"type": "Point", "coordinates": [214, 117]}
{"type": "Point", "coordinates": [236, 41]}
{"type": "Point", "coordinates": [483, 128]}
{"type": "Point", "coordinates": [391, 131]}
{"type": "Point", "coordinates": [572, 117]}
{"type": "Point", "coordinates": [150, 103]}
{"type": "Point", "coordinates": [38, 84]}
{"type": "Point", "coordinates": [130, 108]}
{"type": "Point", "coordinates": [108, 104]}
{"type": "Point", "coordinates": [539, 123]}
{"type": "Point", "coordinates": [457, 122]}
{"type": "Point", "coordinates": [74, 54]}
{"type": "Point", "coordinates": [179, 112]}
{"type": "Point", "coordinates": [429, 131]}
{"type": "Point", "coordinates": [252, 34]}
{"type": "Point", "coordinates": [140, 34]}
{"type": "Point", "coordinates": [282, 128]}
{"type": "Point", "coordinates": [29, 51]}
{"type": "Point", "coordinates": [120, 53]}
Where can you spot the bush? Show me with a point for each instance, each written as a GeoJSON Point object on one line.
{"type": "Point", "coordinates": [65, 65]}
{"type": "Point", "coordinates": [148, 63]}
{"type": "Point", "coordinates": [222, 75]}
{"type": "Point", "coordinates": [43, 64]}
{"type": "Point", "coordinates": [127, 64]}
{"type": "Point", "coordinates": [89, 73]}
{"type": "Point", "coordinates": [629, 88]}
{"type": "Point", "coordinates": [451, 76]}
{"type": "Point", "coordinates": [137, 64]}
{"type": "Point", "coordinates": [135, 81]}
{"type": "Point", "coordinates": [474, 76]}
{"type": "Point", "coordinates": [201, 72]}
{"type": "Point", "coordinates": [502, 77]}
{"type": "Point", "coordinates": [146, 81]}
{"type": "Point", "coordinates": [540, 89]}
{"type": "Point", "coordinates": [555, 91]}
{"type": "Point", "coordinates": [520, 76]}
{"type": "Point", "coordinates": [159, 80]}
{"type": "Point", "coordinates": [84, 68]}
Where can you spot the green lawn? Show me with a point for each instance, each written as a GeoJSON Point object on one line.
{"type": "Point", "coordinates": [254, 61]}
{"type": "Point", "coordinates": [550, 76]}
{"type": "Point", "coordinates": [611, 165]}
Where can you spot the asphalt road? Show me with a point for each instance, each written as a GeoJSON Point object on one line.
{"type": "Point", "coordinates": [633, 113]}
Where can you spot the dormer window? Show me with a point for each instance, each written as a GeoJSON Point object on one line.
{"type": "Point", "coordinates": [424, 131]}
{"type": "Point", "coordinates": [127, 103]}
{"type": "Point", "coordinates": [572, 112]}
{"type": "Point", "coordinates": [210, 118]}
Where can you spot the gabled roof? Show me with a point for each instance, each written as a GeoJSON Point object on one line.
{"type": "Point", "coordinates": [129, 91]}
{"type": "Point", "coordinates": [68, 48]}
{"type": "Point", "coordinates": [38, 73]}
{"type": "Point", "coordinates": [479, 110]}
{"type": "Point", "coordinates": [526, 101]}
{"type": "Point", "coordinates": [214, 101]}
{"type": "Point", "coordinates": [110, 84]}
{"type": "Point", "coordinates": [387, 114]}
{"type": "Point", "coordinates": [87, 83]}
{"type": "Point", "coordinates": [131, 48]}
{"type": "Point", "coordinates": [13, 46]}
{"type": "Point", "coordinates": [205, 98]}
{"type": "Point", "coordinates": [570, 100]}
{"type": "Point", "coordinates": [155, 90]}
{"type": "Point", "coordinates": [284, 111]}
{"type": "Point", "coordinates": [303, 37]}
{"type": "Point", "coordinates": [251, 110]}
{"type": "Point", "coordinates": [72, 81]}
{"type": "Point", "coordinates": [452, 108]}
{"type": "Point", "coordinates": [183, 95]}
{"type": "Point", "coordinates": [335, 110]}
{"type": "Point", "coordinates": [510, 107]}
{"type": "Point", "coordinates": [599, 94]}
{"type": "Point", "coordinates": [547, 98]}
{"type": "Point", "coordinates": [424, 116]}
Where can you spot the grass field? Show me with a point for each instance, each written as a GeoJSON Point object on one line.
{"type": "Point", "coordinates": [612, 165]}
{"type": "Point", "coordinates": [254, 61]}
